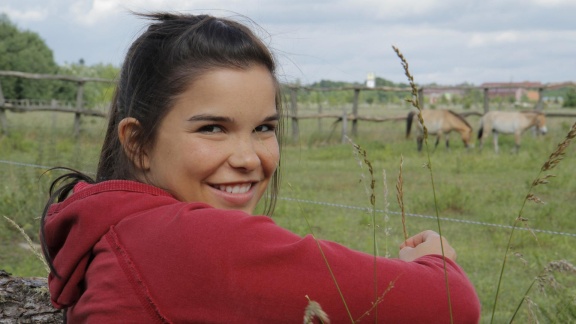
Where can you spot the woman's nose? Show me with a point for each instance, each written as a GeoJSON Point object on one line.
{"type": "Point", "coordinates": [244, 155]}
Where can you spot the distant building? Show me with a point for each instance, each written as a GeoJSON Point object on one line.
{"type": "Point", "coordinates": [434, 94]}
{"type": "Point", "coordinates": [370, 80]}
{"type": "Point", "coordinates": [515, 90]}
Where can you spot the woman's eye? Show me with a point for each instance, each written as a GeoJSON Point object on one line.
{"type": "Point", "coordinates": [265, 128]}
{"type": "Point", "coordinates": [210, 129]}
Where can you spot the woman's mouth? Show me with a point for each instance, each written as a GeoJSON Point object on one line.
{"type": "Point", "coordinates": [239, 195]}
{"type": "Point", "coordinates": [234, 189]}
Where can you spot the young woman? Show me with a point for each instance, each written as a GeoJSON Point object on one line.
{"type": "Point", "coordinates": [165, 232]}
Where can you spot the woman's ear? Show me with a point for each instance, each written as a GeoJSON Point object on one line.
{"type": "Point", "coordinates": [129, 130]}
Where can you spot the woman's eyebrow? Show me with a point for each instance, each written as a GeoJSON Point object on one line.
{"type": "Point", "coordinates": [274, 117]}
{"type": "Point", "coordinates": [212, 118]}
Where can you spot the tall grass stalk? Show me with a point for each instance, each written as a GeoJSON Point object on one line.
{"type": "Point", "coordinates": [362, 156]}
{"type": "Point", "coordinates": [386, 213]}
{"type": "Point", "coordinates": [325, 260]}
{"type": "Point", "coordinates": [400, 198]}
{"type": "Point", "coordinates": [414, 100]}
{"type": "Point", "coordinates": [378, 300]}
{"type": "Point", "coordinates": [542, 178]}
{"type": "Point", "coordinates": [30, 244]}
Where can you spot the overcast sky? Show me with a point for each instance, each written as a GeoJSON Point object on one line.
{"type": "Point", "coordinates": [445, 41]}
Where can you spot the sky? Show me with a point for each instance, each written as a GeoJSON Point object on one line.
{"type": "Point", "coordinates": [447, 42]}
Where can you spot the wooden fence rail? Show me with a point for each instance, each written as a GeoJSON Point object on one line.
{"type": "Point", "coordinates": [355, 117]}
{"type": "Point", "coordinates": [27, 105]}
{"type": "Point", "coordinates": [291, 95]}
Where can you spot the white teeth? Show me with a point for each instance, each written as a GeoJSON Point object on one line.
{"type": "Point", "coordinates": [237, 189]}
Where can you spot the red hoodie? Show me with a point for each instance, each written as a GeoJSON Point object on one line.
{"type": "Point", "coordinates": [127, 252]}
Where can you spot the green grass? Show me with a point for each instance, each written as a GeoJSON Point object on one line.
{"type": "Point", "coordinates": [471, 186]}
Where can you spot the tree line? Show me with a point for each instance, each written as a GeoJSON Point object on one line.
{"type": "Point", "coordinates": [25, 51]}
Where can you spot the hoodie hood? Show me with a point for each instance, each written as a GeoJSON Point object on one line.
{"type": "Point", "coordinates": [74, 226]}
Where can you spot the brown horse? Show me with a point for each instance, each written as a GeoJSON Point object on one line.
{"type": "Point", "coordinates": [510, 122]}
{"type": "Point", "coordinates": [440, 122]}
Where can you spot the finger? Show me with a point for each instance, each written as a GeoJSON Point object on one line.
{"type": "Point", "coordinates": [418, 239]}
{"type": "Point", "coordinates": [427, 235]}
{"type": "Point", "coordinates": [412, 241]}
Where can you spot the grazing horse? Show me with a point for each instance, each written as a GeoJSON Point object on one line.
{"type": "Point", "coordinates": [439, 122]}
{"type": "Point", "coordinates": [510, 122]}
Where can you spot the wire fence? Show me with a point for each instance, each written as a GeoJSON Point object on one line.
{"type": "Point", "coordinates": [358, 208]}
{"type": "Point", "coordinates": [455, 220]}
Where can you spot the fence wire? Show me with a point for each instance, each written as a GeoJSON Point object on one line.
{"type": "Point", "coordinates": [365, 209]}
{"type": "Point", "coordinates": [456, 220]}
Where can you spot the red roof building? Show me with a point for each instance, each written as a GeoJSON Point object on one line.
{"type": "Point", "coordinates": [516, 90]}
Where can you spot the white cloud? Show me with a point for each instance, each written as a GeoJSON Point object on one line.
{"type": "Point", "coordinates": [26, 15]}
{"type": "Point", "coordinates": [495, 38]}
{"type": "Point", "coordinates": [445, 41]}
{"type": "Point", "coordinates": [554, 3]}
{"type": "Point", "coordinates": [95, 12]}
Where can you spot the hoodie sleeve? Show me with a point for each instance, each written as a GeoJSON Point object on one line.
{"type": "Point", "coordinates": [207, 264]}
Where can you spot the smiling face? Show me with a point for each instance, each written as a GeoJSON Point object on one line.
{"type": "Point", "coordinates": [217, 144]}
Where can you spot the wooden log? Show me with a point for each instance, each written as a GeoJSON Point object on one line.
{"type": "Point", "coordinates": [26, 300]}
{"type": "Point", "coordinates": [36, 76]}
{"type": "Point", "coordinates": [349, 117]}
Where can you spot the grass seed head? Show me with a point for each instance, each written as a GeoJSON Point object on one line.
{"type": "Point", "coordinates": [30, 243]}
{"type": "Point", "coordinates": [314, 311]}
{"type": "Point", "coordinates": [414, 100]}
{"type": "Point", "coordinates": [520, 257]}
{"type": "Point", "coordinates": [547, 279]}
{"type": "Point", "coordinates": [557, 156]}
{"type": "Point", "coordinates": [532, 197]}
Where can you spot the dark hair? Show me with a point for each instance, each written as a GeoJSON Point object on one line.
{"type": "Point", "coordinates": [172, 53]}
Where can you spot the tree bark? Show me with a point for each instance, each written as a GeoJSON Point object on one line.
{"type": "Point", "coordinates": [26, 300]}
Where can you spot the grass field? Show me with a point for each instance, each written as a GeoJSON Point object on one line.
{"type": "Point", "coordinates": [478, 197]}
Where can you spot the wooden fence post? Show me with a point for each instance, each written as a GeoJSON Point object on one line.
{"type": "Point", "coordinates": [3, 120]}
{"type": "Point", "coordinates": [344, 126]}
{"type": "Point", "coordinates": [486, 100]}
{"type": "Point", "coordinates": [355, 112]}
{"type": "Point", "coordinates": [319, 100]}
{"type": "Point", "coordinates": [79, 105]}
{"type": "Point", "coordinates": [421, 97]}
{"type": "Point", "coordinates": [294, 113]}
{"type": "Point", "coordinates": [540, 103]}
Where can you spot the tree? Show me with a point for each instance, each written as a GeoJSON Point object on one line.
{"type": "Point", "coordinates": [570, 98]}
{"type": "Point", "coordinates": [24, 51]}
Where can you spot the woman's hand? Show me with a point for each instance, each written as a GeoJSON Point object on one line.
{"type": "Point", "coordinates": [425, 243]}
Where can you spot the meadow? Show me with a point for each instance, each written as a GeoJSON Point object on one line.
{"type": "Point", "coordinates": [325, 184]}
